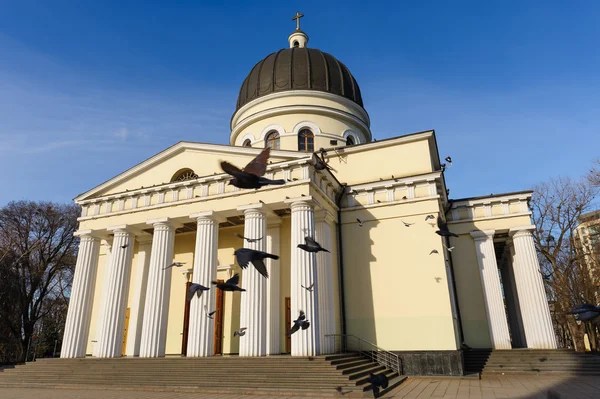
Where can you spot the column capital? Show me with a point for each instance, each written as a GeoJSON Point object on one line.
{"type": "Point", "coordinates": [120, 228]}
{"type": "Point", "coordinates": [308, 200]}
{"type": "Point", "coordinates": [260, 208]}
{"type": "Point", "coordinates": [212, 215]}
{"type": "Point", "coordinates": [483, 234]}
{"type": "Point", "coordinates": [87, 234]}
{"type": "Point", "coordinates": [164, 222]}
{"type": "Point", "coordinates": [521, 230]}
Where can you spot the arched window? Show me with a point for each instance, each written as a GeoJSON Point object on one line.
{"type": "Point", "coordinates": [247, 143]}
{"type": "Point", "coordinates": [296, 44]}
{"type": "Point", "coordinates": [272, 140]}
{"type": "Point", "coordinates": [183, 175]}
{"type": "Point", "coordinates": [306, 141]}
{"type": "Point", "coordinates": [350, 140]}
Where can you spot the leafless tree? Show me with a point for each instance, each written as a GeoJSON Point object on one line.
{"type": "Point", "coordinates": [594, 175]}
{"type": "Point", "coordinates": [557, 206]}
{"type": "Point", "coordinates": [37, 259]}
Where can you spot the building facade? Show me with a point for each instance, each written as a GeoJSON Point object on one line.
{"type": "Point", "coordinates": [388, 279]}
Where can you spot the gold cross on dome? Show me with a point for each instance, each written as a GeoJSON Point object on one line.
{"type": "Point", "coordinates": [297, 19]}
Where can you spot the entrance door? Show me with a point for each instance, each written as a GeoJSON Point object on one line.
{"type": "Point", "coordinates": [124, 347]}
{"type": "Point", "coordinates": [288, 323]}
{"type": "Point", "coordinates": [219, 322]}
{"type": "Point", "coordinates": [186, 321]}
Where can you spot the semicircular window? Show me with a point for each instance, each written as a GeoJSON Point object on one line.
{"type": "Point", "coordinates": [183, 175]}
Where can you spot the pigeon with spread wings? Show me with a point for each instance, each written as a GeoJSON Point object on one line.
{"type": "Point", "coordinates": [196, 289]}
{"type": "Point", "coordinates": [247, 255]}
{"type": "Point", "coordinates": [311, 245]}
{"type": "Point", "coordinates": [443, 229]}
{"type": "Point", "coordinates": [230, 285]}
{"type": "Point", "coordinates": [251, 175]}
{"type": "Point", "coordinates": [300, 322]}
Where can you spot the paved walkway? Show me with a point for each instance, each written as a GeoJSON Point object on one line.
{"type": "Point", "coordinates": [525, 387]}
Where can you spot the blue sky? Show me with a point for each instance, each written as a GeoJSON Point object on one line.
{"type": "Point", "coordinates": [89, 89]}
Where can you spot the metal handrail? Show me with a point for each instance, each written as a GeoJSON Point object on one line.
{"type": "Point", "coordinates": [366, 348]}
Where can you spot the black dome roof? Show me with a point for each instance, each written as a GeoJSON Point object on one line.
{"type": "Point", "coordinates": [299, 68]}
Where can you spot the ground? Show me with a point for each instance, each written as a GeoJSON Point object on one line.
{"type": "Point", "coordinates": [521, 386]}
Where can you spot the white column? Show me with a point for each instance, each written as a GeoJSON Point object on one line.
{"type": "Point", "coordinates": [253, 309]}
{"type": "Point", "coordinates": [201, 328]}
{"type": "Point", "coordinates": [537, 323]}
{"type": "Point", "coordinates": [304, 272]}
{"type": "Point", "coordinates": [156, 306]}
{"type": "Point", "coordinates": [77, 326]}
{"type": "Point", "coordinates": [325, 278]}
{"type": "Point", "coordinates": [273, 287]}
{"type": "Point", "coordinates": [136, 316]}
{"type": "Point", "coordinates": [105, 283]}
{"type": "Point", "coordinates": [492, 292]}
{"type": "Point", "coordinates": [115, 301]}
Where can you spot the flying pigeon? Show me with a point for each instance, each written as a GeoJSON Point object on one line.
{"type": "Point", "coordinates": [196, 289]}
{"type": "Point", "coordinates": [360, 222]}
{"type": "Point", "coordinates": [248, 239]}
{"type": "Point", "coordinates": [585, 312]}
{"type": "Point", "coordinates": [240, 333]}
{"type": "Point", "coordinates": [429, 217]}
{"type": "Point", "coordinates": [377, 381]}
{"type": "Point", "coordinates": [300, 322]}
{"type": "Point", "coordinates": [311, 245]}
{"type": "Point", "coordinates": [449, 160]}
{"type": "Point", "coordinates": [251, 175]}
{"type": "Point", "coordinates": [309, 288]}
{"type": "Point", "coordinates": [247, 255]}
{"type": "Point", "coordinates": [450, 249]}
{"type": "Point", "coordinates": [209, 314]}
{"type": "Point", "coordinates": [406, 224]}
{"type": "Point", "coordinates": [176, 264]}
{"type": "Point", "coordinates": [443, 229]}
{"type": "Point", "coordinates": [124, 246]}
{"type": "Point", "coordinates": [434, 251]}
{"type": "Point", "coordinates": [230, 285]}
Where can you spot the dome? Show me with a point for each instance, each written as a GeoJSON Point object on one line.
{"type": "Point", "coordinates": [299, 68]}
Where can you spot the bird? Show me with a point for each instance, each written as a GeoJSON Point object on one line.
{"type": "Point", "coordinates": [309, 288]}
{"type": "Point", "coordinates": [377, 381]}
{"type": "Point", "coordinates": [379, 201]}
{"type": "Point", "coordinates": [585, 312]}
{"type": "Point", "coordinates": [241, 332]}
{"type": "Point", "coordinates": [405, 197]}
{"type": "Point", "coordinates": [429, 217]}
{"type": "Point", "coordinates": [449, 160]}
{"type": "Point", "coordinates": [360, 222]}
{"type": "Point", "coordinates": [209, 314]}
{"type": "Point", "coordinates": [300, 322]}
{"type": "Point", "coordinates": [247, 255]}
{"type": "Point", "coordinates": [443, 229]}
{"type": "Point", "coordinates": [443, 167]}
{"type": "Point", "coordinates": [176, 264]}
{"type": "Point", "coordinates": [434, 251]}
{"type": "Point", "coordinates": [406, 224]}
{"type": "Point", "coordinates": [437, 279]}
{"type": "Point", "coordinates": [124, 246]}
{"type": "Point", "coordinates": [450, 249]}
{"type": "Point", "coordinates": [196, 289]}
{"type": "Point", "coordinates": [230, 285]}
{"type": "Point", "coordinates": [322, 165]}
{"type": "Point", "coordinates": [251, 175]}
{"type": "Point", "coordinates": [311, 245]}
{"type": "Point", "coordinates": [248, 239]}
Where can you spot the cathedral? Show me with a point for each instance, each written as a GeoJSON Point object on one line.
{"type": "Point", "coordinates": [390, 278]}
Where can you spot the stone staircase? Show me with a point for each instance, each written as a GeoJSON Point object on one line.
{"type": "Point", "coordinates": [274, 375]}
{"type": "Point", "coordinates": [531, 361]}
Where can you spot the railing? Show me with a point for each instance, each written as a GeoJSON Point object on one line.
{"type": "Point", "coordinates": [347, 343]}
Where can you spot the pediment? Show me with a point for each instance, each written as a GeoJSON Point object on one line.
{"type": "Point", "coordinates": [160, 169]}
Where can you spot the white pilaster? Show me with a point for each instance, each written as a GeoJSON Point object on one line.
{"type": "Point", "coordinates": [201, 328]}
{"type": "Point", "coordinates": [537, 323]}
{"type": "Point", "coordinates": [273, 287]}
{"type": "Point", "coordinates": [81, 300]}
{"type": "Point", "coordinates": [136, 316]}
{"type": "Point", "coordinates": [325, 278]}
{"type": "Point", "coordinates": [156, 306]}
{"type": "Point", "coordinates": [492, 292]}
{"type": "Point", "coordinates": [304, 272]}
{"type": "Point", "coordinates": [118, 275]}
{"type": "Point", "coordinates": [107, 244]}
{"type": "Point", "coordinates": [253, 309]}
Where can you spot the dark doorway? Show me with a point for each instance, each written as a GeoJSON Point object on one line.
{"type": "Point", "coordinates": [288, 323]}
{"type": "Point", "coordinates": [219, 322]}
{"type": "Point", "coordinates": [186, 321]}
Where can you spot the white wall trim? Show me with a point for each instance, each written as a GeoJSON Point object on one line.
{"type": "Point", "coordinates": [248, 136]}
{"type": "Point", "coordinates": [316, 130]}
{"type": "Point", "coordinates": [269, 128]}
{"type": "Point", "coordinates": [350, 133]}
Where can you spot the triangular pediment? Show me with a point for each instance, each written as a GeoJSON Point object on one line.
{"type": "Point", "coordinates": [160, 169]}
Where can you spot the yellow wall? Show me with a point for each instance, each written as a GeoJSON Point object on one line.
{"type": "Point", "coordinates": [102, 258]}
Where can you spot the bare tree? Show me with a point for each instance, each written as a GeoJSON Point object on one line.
{"type": "Point", "coordinates": [594, 175]}
{"type": "Point", "coordinates": [37, 259]}
{"type": "Point", "coordinates": [557, 206]}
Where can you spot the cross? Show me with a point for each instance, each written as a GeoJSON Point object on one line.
{"type": "Point", "coordinates": [297, 18]}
